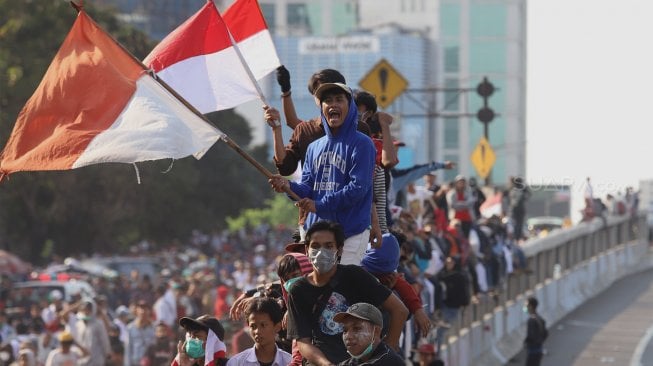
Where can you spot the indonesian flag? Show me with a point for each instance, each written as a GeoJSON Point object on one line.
{"type": "Point", "coordinates": [247, 25]}
{"type": "Point", "coordinates": [215, 349]}
{"type": "Point", "coordinates": [492, 205]}
{"type": "Point", "coordinates": [199, 61]}
{"type": "Point", "coordinates": [96, 104]}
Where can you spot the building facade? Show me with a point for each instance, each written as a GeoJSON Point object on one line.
{"type": "Point", "coordinates": [473, 39]}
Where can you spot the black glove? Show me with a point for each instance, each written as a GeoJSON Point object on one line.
{"type": "Point", "coordinates": [283, 78]}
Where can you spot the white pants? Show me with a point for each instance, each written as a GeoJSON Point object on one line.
{"type": "Point", "coordinates": [354, 248]}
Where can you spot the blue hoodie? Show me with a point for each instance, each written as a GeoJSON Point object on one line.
{"type": "Point", "coordinates": [337, 175]}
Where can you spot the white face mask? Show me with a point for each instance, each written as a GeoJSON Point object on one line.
{"type": "Point", "coordinates": [322, 260]}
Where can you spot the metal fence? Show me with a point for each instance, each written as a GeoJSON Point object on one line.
{"type": "Point", "coordinates": [558, 252]}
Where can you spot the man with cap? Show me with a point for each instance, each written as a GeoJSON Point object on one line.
{"type": "Point", "coordinates": [204, 343]}
{"type": "Point", "coordinates": [50, 314]}
{"type": "Point", "coordinates": [122, 319]}
{"type": "Point", "coordinates": [65, 354]}
{"type": "Point", "coordinates": [362, 323]}
{"type": "Point", "coordinates": [337, 174]}
{"type": "Point", "coordinates": [91, 333]}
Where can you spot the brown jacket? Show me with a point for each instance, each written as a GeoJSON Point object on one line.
{"type": "Point", "coordinates": [305, 133]}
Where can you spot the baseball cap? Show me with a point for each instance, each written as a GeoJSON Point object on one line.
{"type": "Point", "coordinates": [323, 88]}
{"type": "Point", "coordinates": [204, 322]}
{"type": "Point", "coordinates": [459, 177]}
{"type": "Point", "coordinates": [122, 310]}
{"type": "Point", "coordinates": [364, 311]}
{"type": "Point", "coordinates": [296, 247]}
{"type": "Point", "coordinates": [65, 336]}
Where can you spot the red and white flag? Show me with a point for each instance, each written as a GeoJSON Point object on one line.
{"type": "Point", "coordinates": [215, 349]}
{"type": "Point", "coordinates": [245, 21]}
{"type": "Point", "coordinates": [199, 61]}
{"type": "Point", "coordinates": [96, 104]}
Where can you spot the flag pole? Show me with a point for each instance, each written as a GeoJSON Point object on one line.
{"type": "Point", "coordinates": [234, 44]}
{"type": "Point", "coordinates": [232, 144]}
{"type": "Point", "coordinates": [247, 69]}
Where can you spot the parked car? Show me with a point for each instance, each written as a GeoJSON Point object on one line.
{"type": "Point", "coordinates": [39, 290]}
{"type": "Point", "coordinates": [73, 269]}
{"type": "Point", "coordinates": [125, 265]}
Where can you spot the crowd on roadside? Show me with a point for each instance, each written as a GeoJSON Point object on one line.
{"type": "Point", "coordinates": [373, 237]}
{"type": "Point", "coordinates": [614, 204]}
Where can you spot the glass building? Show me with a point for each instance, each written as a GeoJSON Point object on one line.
{"type": "Point", "coordinates": [473, 39]}
{"type": "Point", "coordinates": [318, 34]}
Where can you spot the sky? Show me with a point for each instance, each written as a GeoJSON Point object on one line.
{"type": "Point", "coordinates": [590, 94]}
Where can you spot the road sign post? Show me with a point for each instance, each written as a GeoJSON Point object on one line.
{"type": "Point", "coordinates": [483, 158]}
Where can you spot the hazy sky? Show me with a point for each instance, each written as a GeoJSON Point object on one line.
{"type": "Point", "coordinates": [590, 93]}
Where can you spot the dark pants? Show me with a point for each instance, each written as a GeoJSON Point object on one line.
{"type": "Point", "coordinates": [533, 359]}
{"type": "Point", "coordinates": [518, 216]}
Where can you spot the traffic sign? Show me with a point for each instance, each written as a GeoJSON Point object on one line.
{"type": "Point", "coordinates": [483, 158]}
{"type": "Point", "coordinates": [385, 82]}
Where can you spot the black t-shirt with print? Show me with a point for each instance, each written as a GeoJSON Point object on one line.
{"type": "Point", "coordinates": [350, 284]}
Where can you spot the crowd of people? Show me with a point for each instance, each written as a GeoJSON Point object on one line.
{"type": "Point", "coordinates": [615, 203]}
{"type": "Point", "coordinates": [378, 270]}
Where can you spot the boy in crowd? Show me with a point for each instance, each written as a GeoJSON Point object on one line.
{"type": "Point", "coordinates": [264, 320]}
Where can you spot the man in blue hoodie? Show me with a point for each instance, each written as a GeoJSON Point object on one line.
{"type": "Point", "coordinates": [337, 174]}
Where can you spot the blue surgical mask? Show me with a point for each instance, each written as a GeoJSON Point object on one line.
{"type": "Point", "coordinates": [290, 282]}
{"type": "Point", "coordinates": [525, 309]}
{"type": "Point", "coordinates": [194, 348]}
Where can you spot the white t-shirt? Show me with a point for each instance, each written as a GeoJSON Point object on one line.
{"type": "Point", "coordinates": [58, 358]}
{"type": "Point", "coordinates": [416, 204]}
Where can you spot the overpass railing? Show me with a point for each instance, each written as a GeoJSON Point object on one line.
{"type": "Point", "coordinates": [548, 257]}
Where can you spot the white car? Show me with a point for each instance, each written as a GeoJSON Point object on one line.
{"type": "Point", "coordinates": [42, 289]}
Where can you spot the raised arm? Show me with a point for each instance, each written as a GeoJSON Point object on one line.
{"type": "Point", "coordinates": [283, 78]}
{"type": "Point", "coordinates": [272, 117]}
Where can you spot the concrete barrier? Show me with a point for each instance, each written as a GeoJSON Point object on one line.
{"type": "Point", "coordinates": [499, 336]}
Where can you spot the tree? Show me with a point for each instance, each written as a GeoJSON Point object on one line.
{"type": "Point", "coordinates": [101, 207]}
{"type": "Point", "coordinates": [278, 211]}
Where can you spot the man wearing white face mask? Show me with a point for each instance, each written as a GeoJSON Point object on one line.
{"type": "Point", "coordinates": [362, 324]}
{"type": "Point", "coordinates": [314, 299]}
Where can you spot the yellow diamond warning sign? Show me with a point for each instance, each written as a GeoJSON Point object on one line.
{"type": "Point", "coordinates": [385, 82]}
{"type": "Point", "coordinates": [483, 158]}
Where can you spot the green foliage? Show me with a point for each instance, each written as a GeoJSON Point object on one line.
{"type": "Point", "coordinates": [101, 208]}
{"type": "Point", "coordinates": [278, 210]}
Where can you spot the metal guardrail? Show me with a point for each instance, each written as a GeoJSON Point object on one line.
{"type": "Point", "coordinates": [560, 251]}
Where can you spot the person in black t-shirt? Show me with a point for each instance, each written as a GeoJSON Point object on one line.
{"type": "Point", "coordinates": [536, 333]}
{"type": "Point", "coordinates": [314, 299]}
